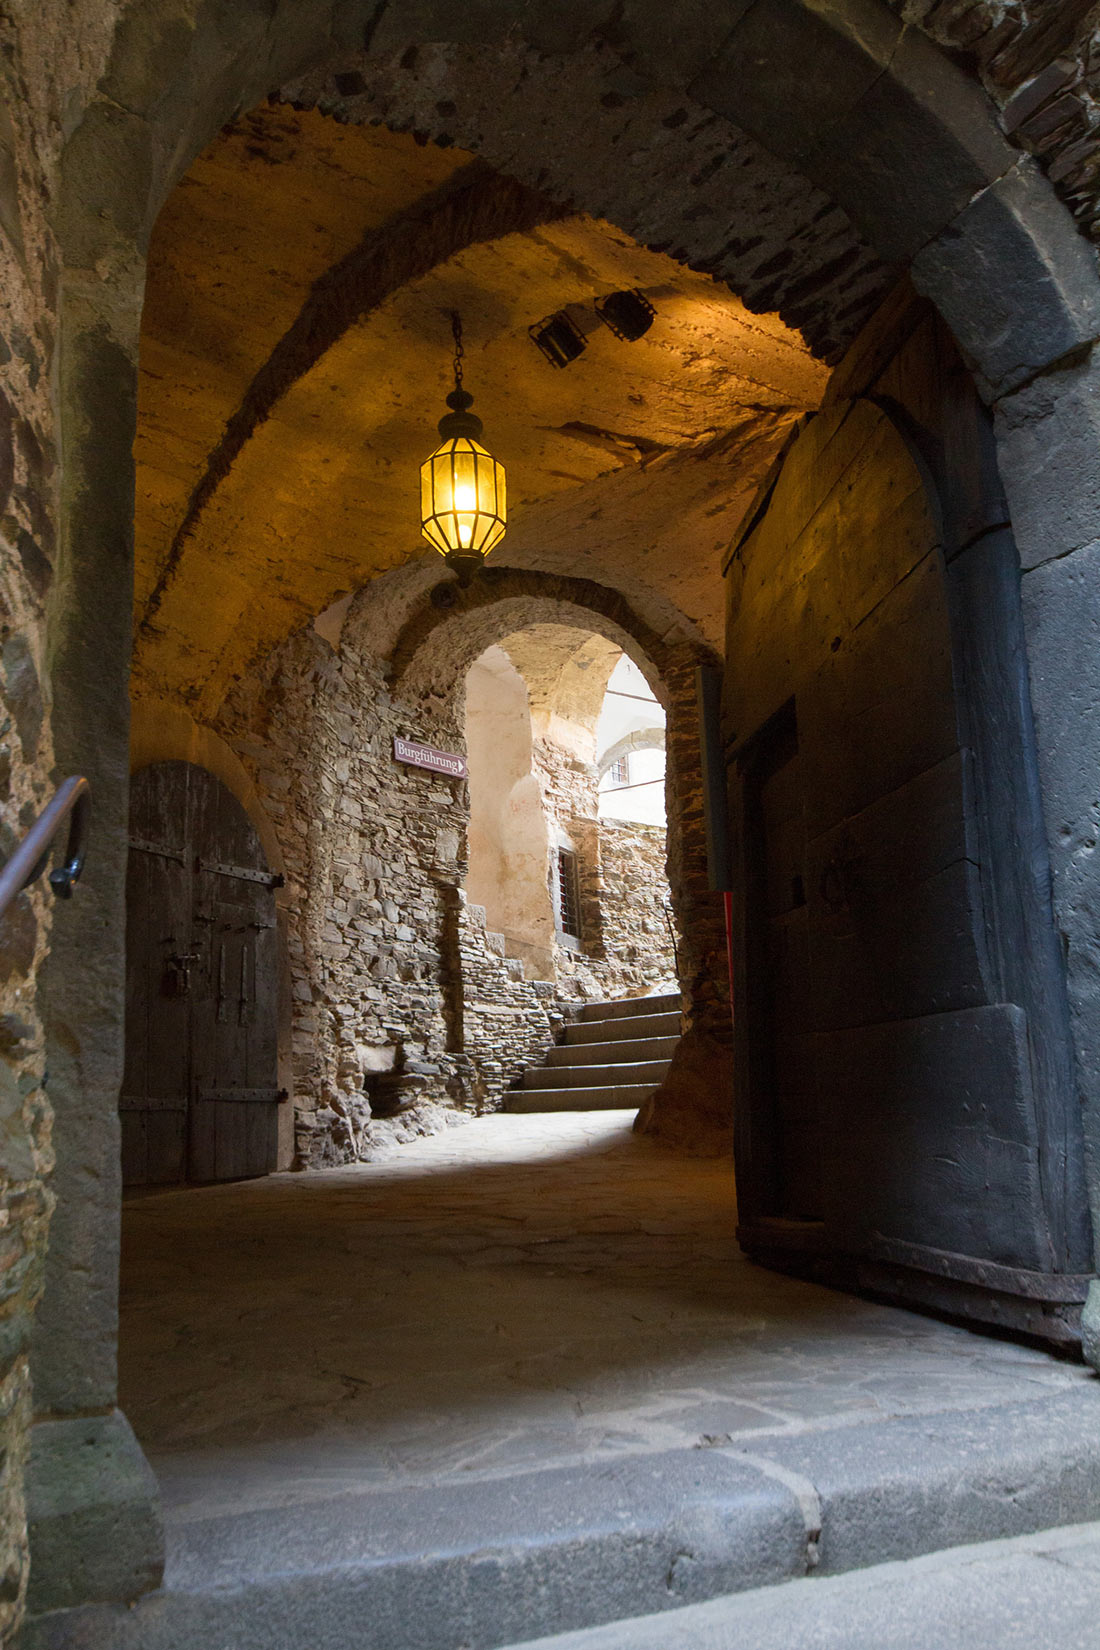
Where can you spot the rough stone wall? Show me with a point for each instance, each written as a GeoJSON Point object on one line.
{"type": "Point", "coordinates": [625, 943]}
{"type": "Point", "coordinates": [391, 967]}
{"type": "Point", "coordinates": [431, 639]}
{"type": "Point", "coordinates": [634, 902]}
{"type": "Point", "coordinates": [568, 787]}
{"type": "Point", "coordinates": [28, 505]}
{"type": "Point", "coordinates": [25, 1116]}
{"type": "Point", "coordinates": [372, 853]}
{"type": "Point", "coordinates": [700, 918]}
{"type": "Point", "coordinates": [1039, 62]}
{"type": "Point", "coordinates": [508, 1022]}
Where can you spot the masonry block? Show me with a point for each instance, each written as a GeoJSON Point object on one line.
{"type": "Point", "coordinates": [1049, 453]}
{"type": "Point", "coordinates": [923, 105]}
{"type": "Point", "coordinates": [92, 1514]}
{"type": "Point", "coordinates": [1014, 280]}
{"type": "Point", "coordinates": [1061, 603]}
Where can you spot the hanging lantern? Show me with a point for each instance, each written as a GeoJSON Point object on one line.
{"type": "Point", "coordinates": [462, 500]}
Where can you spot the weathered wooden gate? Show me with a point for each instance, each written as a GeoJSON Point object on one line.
{"type": "Point", "coordinates": [906, 1110]}
{"type": "Point", "coordinates": [200, 1095]}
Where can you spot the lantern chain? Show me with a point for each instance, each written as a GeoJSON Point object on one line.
{"type": "Point", "coordinates": [456, 329]}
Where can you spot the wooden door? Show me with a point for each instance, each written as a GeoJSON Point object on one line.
{"type": "Point", "coordinates": [782, 817]}
{"type": "Point", "coordinates": [902, 1120]}
{"type": "Point", "coordinates": [159, 941]}
{"type": "Point", "coordinates": [789, 1137]}
{"type": "Point", "coordinates": [200, 1095]}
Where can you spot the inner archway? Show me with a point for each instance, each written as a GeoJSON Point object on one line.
{"type": "Point", "coordinates": [573, 895]}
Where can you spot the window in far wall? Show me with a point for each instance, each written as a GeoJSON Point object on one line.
{"type": "Point", "coordinates": [569, 902]}
{"type": "Point", "coordinates": [619, 771]}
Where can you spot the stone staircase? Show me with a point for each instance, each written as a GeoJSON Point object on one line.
{"type": "Point", "coordinates": [615, 1055]}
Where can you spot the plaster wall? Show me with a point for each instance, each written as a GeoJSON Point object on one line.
{"type": "Point", "coordinates": [631, 724]}
{"type": "Point", "coordinates": [533, 792]}
{"type": "Point", "coordinates": [508, 844]}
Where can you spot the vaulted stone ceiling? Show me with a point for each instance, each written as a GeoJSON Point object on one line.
{"type": "Point", "coordinates": [295, 356]}
{"type": "Point", "coordinates": [566, 673]}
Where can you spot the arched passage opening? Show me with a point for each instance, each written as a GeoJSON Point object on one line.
{"type": "Point", "coordinates": [576, 898]}
{"type": "Point", "coordinates": [969, 209]}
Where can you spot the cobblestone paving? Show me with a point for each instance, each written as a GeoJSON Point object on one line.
{"type": "Point", "coordinates": [518, 1292]}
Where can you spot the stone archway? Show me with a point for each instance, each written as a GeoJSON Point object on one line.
{"type": "Point", "coordinates": [988, 242]}
{"type": "Point", "coordinates": [437, 644]}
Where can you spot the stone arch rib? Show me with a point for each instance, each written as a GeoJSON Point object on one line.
{"type": "Point", "coordinates": [431, 623]}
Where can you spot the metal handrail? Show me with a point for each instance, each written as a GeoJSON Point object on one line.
{"type": "Point", "coordinates": [71, 801]}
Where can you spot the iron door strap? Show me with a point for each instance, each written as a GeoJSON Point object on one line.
{"type": "Point", "coordinates": [145, 847]}
{"type": "Point", "coordinates": [243, 873]}
{"type": "Point", "coordinates": [142, 1102]}
{"type": "Point", "coordinates": [270, 1097]}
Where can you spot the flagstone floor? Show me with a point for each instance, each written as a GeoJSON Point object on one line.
{"type": "Point", "coordinates": [520, 1291]}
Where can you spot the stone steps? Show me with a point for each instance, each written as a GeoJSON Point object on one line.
{"type": "Point", "coordinates": [629, 1007]}
{"type": "Point", "coordinates": [630, 1073]}
{"type": "Point", "coordinates": [1025, 1590]}
{"type": "Point", "coordinates": [666, 1024]}
{"type": "Point", "coordinates": [612, 1058]}
{"type": "Point", "coordinates": [609, 1054]}
{"type": "Point", "coordinates": [613, 1097]}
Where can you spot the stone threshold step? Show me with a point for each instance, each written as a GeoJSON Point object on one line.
{"type": "Point", "coordinates": [622, 1072]}
{"type": "Point", "coordinates": [501, 1561]}
{"type": "Point", "coordinates": [613, 1097]}
{"type": "Point", "coordinates": [624, 1028]}
{"type": "Point", "coordinates": [1028, 1591]}
{"type": "Point", "coordinates": [609, 1054]}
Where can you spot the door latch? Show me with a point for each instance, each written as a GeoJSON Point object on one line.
{"type": "Point", "coordinates": [177, 977]}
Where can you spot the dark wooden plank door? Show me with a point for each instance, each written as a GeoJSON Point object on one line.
{"type": "Point", "coordinates": [235, 1104]}
{"type": "Point", "coordinates": [200, 1097]}
{"type": "Point", "coordinates": [789, 1138]}
{"type": "Point", "coordinates": [155, 1087]}
{"type": "Point", "coordinates": [782, 818]}
{"type": "Point", "coordinates": [901, 1121]}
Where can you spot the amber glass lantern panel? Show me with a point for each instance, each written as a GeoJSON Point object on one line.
{"type": "Point", "coordinates": [462, 500]}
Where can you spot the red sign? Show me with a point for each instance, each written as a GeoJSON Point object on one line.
{"type": "Point", "coordinates": [423, 756]}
